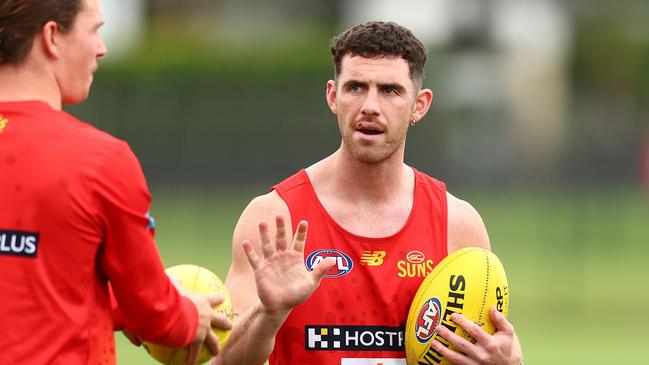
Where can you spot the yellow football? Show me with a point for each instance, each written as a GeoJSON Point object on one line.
{"type": "Point", "coordinates": [200, 280]}
{"type": "Point", "coordinates": [469, 281]}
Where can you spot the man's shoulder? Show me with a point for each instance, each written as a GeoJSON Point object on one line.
{"type": "Point", "coordinates": [465, 225]}
{"type": "Point", "coordinates": [71, 141]}
{"type": "Point", "coordinates": [261, 208]}
{"type": "Point", "coordinates": [95, 136]}
{"type": "Point", "coordinates": [269, 202]}
{"type": "Point", "coordinates": [97, 153]}
{"type": "Point", "coordinates": [58, 127]}
{"type": "Point", "coordinates": [460, 210]}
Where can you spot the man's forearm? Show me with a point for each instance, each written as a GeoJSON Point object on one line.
{"type": "Point", "coordinates": [252, 339]}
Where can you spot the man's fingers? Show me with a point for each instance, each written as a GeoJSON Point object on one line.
{"type": "Point", "coordinates": [267, 248]}
{"type": "Point", "coordinates": [221, 321]}
{"type": "Point", "coordinates": [280, 236]}
{"type": "Point", "coordinates": [212, 343]}
{"type": "Point", "coordinates": [502, 324]}
{"type": "Point", "coordinates": [471, 328]}
{"type": "Point", "coordinates": [192, 353]}
{"type": "Point", "coordinates": [215, 299]}
{"type": "Point", "coordinates": [460, 344]}
{"type": "Point", "coordinates": [323, 267]}
{"type": "Point", "coordinates": [454, 357]}
{"type": "Point", "coordinates": [299, 239]}
{"type": "Point", "coordinates": [253, 258]}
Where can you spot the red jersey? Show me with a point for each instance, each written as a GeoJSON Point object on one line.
{"type": "Point", "coordinates": [73, 218]}
{"type": "Point", "coordinates": [358, 313]}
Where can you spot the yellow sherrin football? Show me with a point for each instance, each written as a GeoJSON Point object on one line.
{"type": "Point", "coordinates": [200, 280]}
{"type": "Point", "coordinates": [469, 281]}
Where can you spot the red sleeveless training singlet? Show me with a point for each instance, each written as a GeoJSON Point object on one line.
{"type": "Point", "coordinates": [358, 313]}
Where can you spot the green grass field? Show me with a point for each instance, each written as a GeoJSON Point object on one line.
{"type": "Point", "coordinates": [576, 262]}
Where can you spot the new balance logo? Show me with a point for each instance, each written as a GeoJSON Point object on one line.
{"type": "Point", "coordinates": [373, 258]}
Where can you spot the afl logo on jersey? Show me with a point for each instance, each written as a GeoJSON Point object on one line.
{"type": "Point", "coordinates": [428, 320]}
{"type": "Point", "coordinates": [343, 266]}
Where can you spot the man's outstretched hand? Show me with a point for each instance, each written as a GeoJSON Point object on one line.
{"type": "Point", "coordinates": [282, 279]}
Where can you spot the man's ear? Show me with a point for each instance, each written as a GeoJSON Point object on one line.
{"type": "Point", "coordinates": [49, 39]}
{"type": "Point", "coordinates": [422, 104]}
{"type": "Point", "coordinates": [331, 96]}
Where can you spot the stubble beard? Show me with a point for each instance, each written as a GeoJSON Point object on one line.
{"type": "Point", "coordinates": [373, 153]}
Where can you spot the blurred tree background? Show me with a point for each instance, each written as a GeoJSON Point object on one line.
{"type": "Point", "coordinates": [526, 92]}
{"type": "Point", "coordinates": [540, 119]}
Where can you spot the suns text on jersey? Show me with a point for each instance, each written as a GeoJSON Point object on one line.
{"type": "Point", "coordinates": [414, 265]}
{"type": "Point", "coordinates": [410, 270]}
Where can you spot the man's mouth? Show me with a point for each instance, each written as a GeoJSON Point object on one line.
{"type": "Point", "coordinates": [369, 128]}
{"type": "Point", "coordinates": [369, 131]}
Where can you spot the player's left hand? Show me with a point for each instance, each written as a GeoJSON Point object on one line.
{"type": "Point", "coordinates": [207, 318]}
{"type": "Point", "coordinates": [501, 348]}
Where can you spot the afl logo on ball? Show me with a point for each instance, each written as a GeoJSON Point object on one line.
{"type": "Point", "coordinates": [343, 266]}
{"type": "Point", "coordinates": [428, 320]}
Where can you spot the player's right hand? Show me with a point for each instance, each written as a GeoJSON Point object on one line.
{"type": "Point", "coordinates": [281, 277]}
{"type": "Point", "coordinates": [207, 319]}
{"type": "Point", "coordinates": [502, 348]}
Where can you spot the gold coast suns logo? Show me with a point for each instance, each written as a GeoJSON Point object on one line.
{"type": "Point", "coordinates": [415, 265]}
{"type": "Point", "coordinates": [3, 123]}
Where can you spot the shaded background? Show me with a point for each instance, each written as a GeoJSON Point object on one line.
{"type": "Point", "coordinates": [540, 120]}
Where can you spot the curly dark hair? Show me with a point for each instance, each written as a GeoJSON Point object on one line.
{"type": "Point", "coordinates": [379, 39]}
{"type": "Point", "coordinates": [21, 20]}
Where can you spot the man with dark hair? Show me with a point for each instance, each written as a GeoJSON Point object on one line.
{"type": "Point", "coordinates": [76, 242]}
{"type": "Point", "coordinates": [377, 227]}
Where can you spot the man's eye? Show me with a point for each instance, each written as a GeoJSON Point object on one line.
{"type": "Point", "coordinates": [391, 91]}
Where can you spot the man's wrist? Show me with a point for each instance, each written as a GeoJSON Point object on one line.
{"type": "Point", "coordinates": [274, 316]}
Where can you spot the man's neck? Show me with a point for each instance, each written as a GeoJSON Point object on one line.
{"type": "Point", "coordinates": [369, 200]}
{"type": "Point", "coordinates": [361, 181]}
{"type": "Point", "coordinates": [27, 82]}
